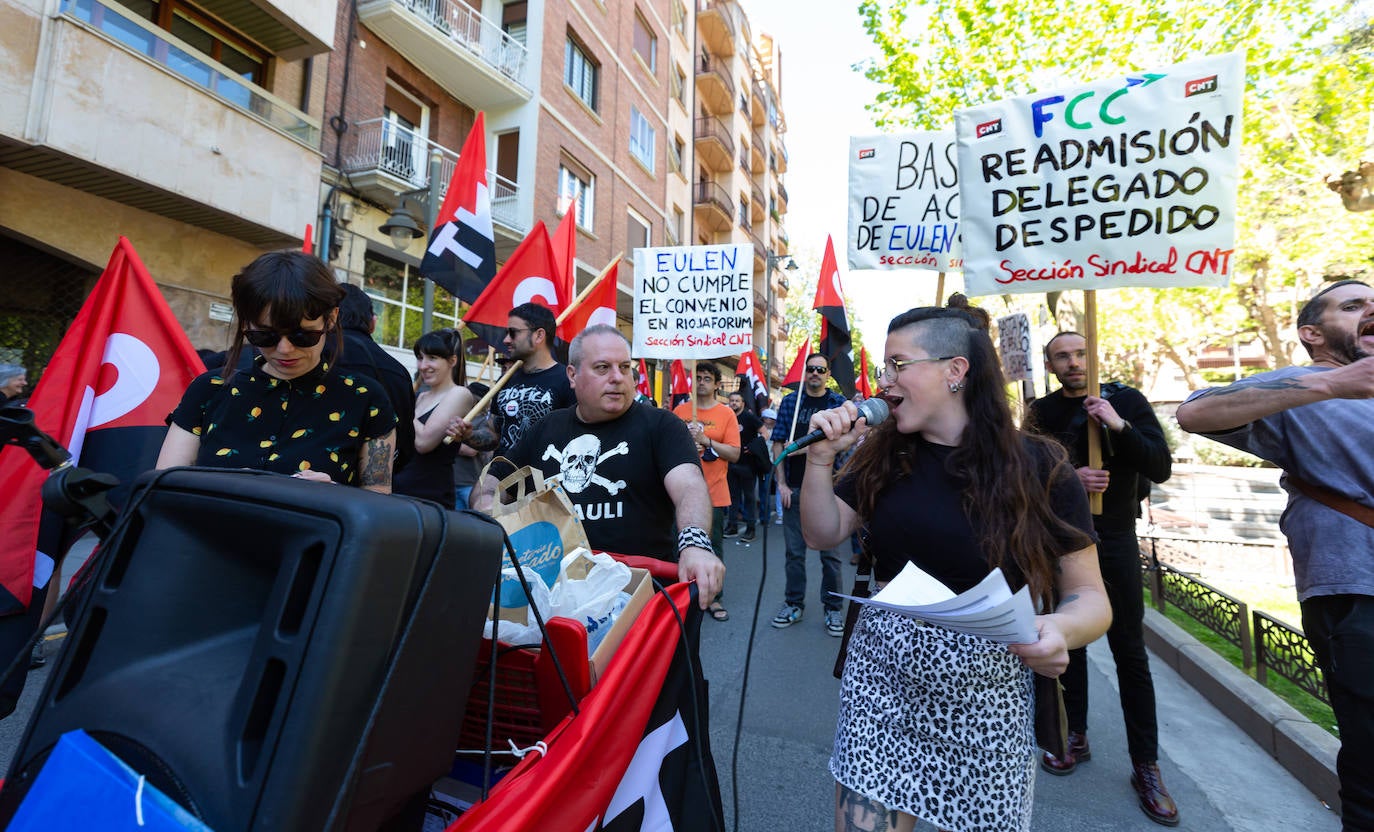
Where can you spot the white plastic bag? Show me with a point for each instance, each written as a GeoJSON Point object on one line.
{"type": "Point", "coordinates": [512, 632]}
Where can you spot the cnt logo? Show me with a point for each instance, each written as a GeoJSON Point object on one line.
{"type": "Point", "coordinates": [988, 128]}
{"type": "Point", "coordinates": [867, 152]}
{"type": "Point", "coordinates": [1200, 86]}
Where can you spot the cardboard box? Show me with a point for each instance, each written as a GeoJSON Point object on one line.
{"type": "Point", "coordinates": [641, 589]}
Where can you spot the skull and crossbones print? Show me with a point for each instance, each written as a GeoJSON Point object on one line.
{"type": "Point", "coordinates": [578, 460]}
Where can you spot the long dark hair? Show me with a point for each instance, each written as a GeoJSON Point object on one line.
{"type": "Point", "coordinates": [445, 344]}
{"type": "Point", "coordinates": [294, 286]}
{"type": "Point", "coordinates": [1000, 469]}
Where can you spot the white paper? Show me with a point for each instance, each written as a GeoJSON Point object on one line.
{"type": "Point", "coordinates": [989, 610]}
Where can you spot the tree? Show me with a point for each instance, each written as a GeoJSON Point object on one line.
{"type": "Point", "coordinates": [1308, 106]}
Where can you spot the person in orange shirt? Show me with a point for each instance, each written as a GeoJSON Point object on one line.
{"type": "Point", "coordinates": [716, 432]}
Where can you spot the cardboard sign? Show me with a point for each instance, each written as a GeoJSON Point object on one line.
{"type": "Point", "coordinates": [904, 202]}
{"type": "Point", "coordinates": [694, 301]}
{"type": "Point", "coordinates": [1124, 182]}
{"type": "Point", "coordinates": [1014, 344]}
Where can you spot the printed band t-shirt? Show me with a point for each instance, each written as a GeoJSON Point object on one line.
{"type": "Point", "coordinates": [613, 473]}
{"type": "Point", "coordinates": [722, 427]}
{"type": "Point", "coordinates": [525, 400]}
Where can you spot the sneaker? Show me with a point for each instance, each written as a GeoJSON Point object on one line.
{"type": "Point", "coordinates": [834, 623]}
{"type": "Point", "coordinates": [748, 536]}
{"type": "Point", "coordinates": [732, 531]}
{"type": "Point", "coordinates": [777, 521]}
{"type": "Point", "coordinates": [787, 615]}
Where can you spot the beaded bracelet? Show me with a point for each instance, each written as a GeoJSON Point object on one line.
{"type": "Point", "coordinates": [693, 536]}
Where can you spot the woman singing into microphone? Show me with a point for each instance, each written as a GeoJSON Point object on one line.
{"type": "Point", "coordinates": [935, 724]}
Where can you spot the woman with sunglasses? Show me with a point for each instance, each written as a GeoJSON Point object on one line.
{"type": "Point", "coordinates": [440, 409]}
{"type": "Point", "coordinates": [288, 413]}
{"type": "Point", "coordinates": [935, 724]}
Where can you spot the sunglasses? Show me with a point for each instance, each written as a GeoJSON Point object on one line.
{"type": "Point", "coordinates": [266, 338]}
{"type": "Point", "coordinates": [820, 371]}
{"type": "Point", "coordinates": [512, 331]}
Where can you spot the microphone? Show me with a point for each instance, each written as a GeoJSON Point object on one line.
{"type": "Point", "coordinates": [873, 411]}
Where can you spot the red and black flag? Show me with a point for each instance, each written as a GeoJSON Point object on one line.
{"type": "Point", "coordinates": [637, 757]}
{"type": "Point", "coordinates": [793, 379]}
{"type": "Point", "coordinates": [564, 246]}
{"type": "Point", "coordinates": [644, 386]}
{"type": "Point", "coordinates": [682, 384]}
{"type": "Point", "coordinates": [751, 379]}
{"type": "Point", "coordinates": [835, 339]}
{"type": "Point", "coordinates": [105, 395]}
{"type": "Point", "coordinates": [529, 275]}
{"type": "Point", "coordinates": [461, 256]}
{"type": "Point", "coordinates": [864, 383]}
{"type": "Point", "coordinates": [596, 306]}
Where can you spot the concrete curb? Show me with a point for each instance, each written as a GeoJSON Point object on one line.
{"type": "Point", "coordinates": [1299, 745]}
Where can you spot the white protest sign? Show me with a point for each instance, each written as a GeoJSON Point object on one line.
{"type": "Point", "coordinates": [904, 202]}
{"type": "Point", "coordinates": [1014, 343]}
{"type": "Point", "coordinates": [1125, 182]}
{"type": "Point", "coordinates": [694, 301]}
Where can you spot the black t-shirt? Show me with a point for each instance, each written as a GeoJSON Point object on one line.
{"type": "Point", "coordinates": [525, 400]}
{"type": "Point", "coordinates": [921, 518]}
{"type": "Point", "coordinates": [363, 356]}
{"type": "Point", "coordinates": [319, 421]}
{"type": "Point", "coordinates": [613, 473]}
{"type": "Point", "coordinates": [749, 425]}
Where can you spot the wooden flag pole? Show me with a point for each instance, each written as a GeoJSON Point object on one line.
{"type": "Point", "coordinates": [487, 363]}
{"type": "Point", "coordinates": [940, 289]}
{"type": "Point", "coordinates": [485, 402]}
{"type": "Point", "coordinates": [693, 377]}
{"type": "Point", "coordinates": [562, 316]}
{"type": "Point", "coordinates": [1094, 433]}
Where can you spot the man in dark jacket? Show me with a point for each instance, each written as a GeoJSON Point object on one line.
{"type": "Point", "coordinates": [363, 355]}
{"type": "Point", "coordinates": [1133, 446]}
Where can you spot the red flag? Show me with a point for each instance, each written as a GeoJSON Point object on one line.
{"type": "Point", "coordinates": [794, 373]}
{"type": "Point", "coordinates": [636, 756]}
{"type": "Point", "coordinates": [308, 241]}
{"type": "Point", "coordinates": [120, 369]}
{"type": "Point", "coordinates": [645, 388]}
{"type": "Point", "coordinates": [682, 383]}
{"type": "Point", "coordinates": [835, 343]}
{"type": "Point", "coordinates": [863, 383]}
{"type": "Point", "coordinates": [596, 307]}
{"type": "Point", "coordinates": [751, 378]}
{"type": "Point", "coordinates": [565, 254]}
{"type": "Point", "coordinates": [461, 256]}
{"type": "Point", "coordinates": [527, 276]}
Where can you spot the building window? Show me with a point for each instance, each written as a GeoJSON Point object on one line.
{"type": "Point", "coordinates": [641, 139]}
{"type": "Point", "coordinates": [744, 213]}
{"type": "Point", "coordinates": [205, 34]}
{"type": "Point", "coordinates": [398, 298]}
{"type": "Point", "coordinates": [575, 184]}
{"type": "Point", "coordinates": [675, 154]}
{"type": "Point", "coordinates": [678, 85]}
{"type": "Point", "coordinates": [637, 232]}
{"type": "Point", "coordinates": [646, 43]}
{"type": "Point", "coordinates": [680, 18]}
{"type": "Point", "coordinates": [673, 232]}
{"type": "Point", "coordinates": [580, 72]}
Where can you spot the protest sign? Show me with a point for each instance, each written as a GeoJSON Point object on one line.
{"type": "Point", "coordinates": [1124, 182]}
{"type": "Point", "coordinates": [694, 301]}
{"type": "Point", "coordinates": [1014, 343]}
{"type": "Point", "coordinates": [904, 202]}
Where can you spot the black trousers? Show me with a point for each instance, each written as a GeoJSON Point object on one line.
{"type": "Point", "coordinates": [1118, 553]}
{"type": "Point", "coordinates": [15, 632]}
{"type": "Point", "coordinates": [1341, 630]}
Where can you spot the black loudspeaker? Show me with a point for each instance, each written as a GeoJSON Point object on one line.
{"type": "Point", "coordinates": [242, 630]}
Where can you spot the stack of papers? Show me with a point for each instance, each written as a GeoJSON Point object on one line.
{"type": "Point", "coordinates": [990, 609]}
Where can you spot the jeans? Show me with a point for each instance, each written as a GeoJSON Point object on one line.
{"type": "Point", "coordinates": [743, 496]}
{"type": "Point", "coordinates": [1118, 554]}
{"type": "Point", "coordinates": [796, 561]}
{"type": "Point", "coordinates": [1341, 631]}
{"type": "Point", "coordinates": [462, 492]}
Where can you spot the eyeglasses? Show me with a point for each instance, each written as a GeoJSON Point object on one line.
{"type": "Point", "coordinates": [512, 331]}
{"type": "Point", "coordinates": [820, 371]}
{"type": "Point", "coordinates": [265, 338]}
{"type": "Point", "coordinates": [893, 366]}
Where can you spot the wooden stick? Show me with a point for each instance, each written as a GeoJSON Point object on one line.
{"type": "Point", "coordinates": [940, 289]}
{"type": "Point", "coordinates": [1094, 430]}
{"type": "Point", "coordinates": [693, 376]}
{"type": "Point", "coordinates": [485, 401]}
{"type": "Point", "coordinates": [562, 316]}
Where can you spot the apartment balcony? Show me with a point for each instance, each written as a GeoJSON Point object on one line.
{"type": "Point", "coordinates": [716, 25]}
{"type": "Point", "coordinates": [464, 52]}
{"type": "Point", "coordinates": [384, 160]}
{"type": "Point", "coordinates": [715, 85]}
{"type": "Point", "coordinates": [782, 245]}
{"type": "Point", "coordinates": [756, 158]}
{"type": "Point", "coordinates": [781, 157]}
{"type": "Point", "coordinates": [134, 115]}
{"type": "Point", "coordinates": [712, 207]}
{"type": "Point", "coordinates": [760, 108]}
{"type": "Point", "coordinates": [782, 198]}
{"type": "Point", "coordinates": [715, 148]}
{"type": "Point", "coordinates": [756, 207]}
{"type": "Point", "coordinates": [744, 162]}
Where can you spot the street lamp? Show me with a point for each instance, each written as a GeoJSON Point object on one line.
{"type": "Point", "coordinates": [773, 260]}
{"type": "Point", "coordinates": [401, 227]}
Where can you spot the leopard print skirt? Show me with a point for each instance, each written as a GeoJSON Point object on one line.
{"type": "Point", "coordinates": [936, 724]}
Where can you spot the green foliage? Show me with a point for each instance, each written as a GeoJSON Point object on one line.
{"type": "Point", "coordinates": [1309, 106]}
{"type": "Point", "coordinates": [1215, 453]}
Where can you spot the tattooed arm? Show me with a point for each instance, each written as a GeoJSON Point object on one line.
{"type": "Point", "coordinates": [483, 436]}
{"type": "Point", "coordinates": [1227, 408]}
{"type": "Point", "coordinates": [374, 463]}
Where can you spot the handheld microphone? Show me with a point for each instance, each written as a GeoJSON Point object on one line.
{"type": "Point", "coordinates": [873, 411]}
